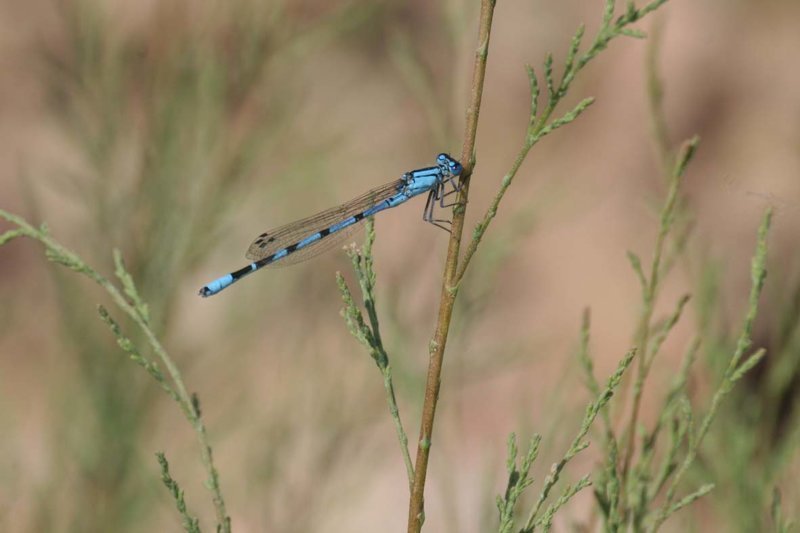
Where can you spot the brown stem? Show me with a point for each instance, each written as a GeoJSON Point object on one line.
{"type": "Point", "coordinates": [416, 513]}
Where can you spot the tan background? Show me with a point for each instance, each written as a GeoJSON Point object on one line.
{"type": "Point", "coordinates": [294, 405]}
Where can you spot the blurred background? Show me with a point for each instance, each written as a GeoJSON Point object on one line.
{"type": "Point", "coordinates": [178, 131]}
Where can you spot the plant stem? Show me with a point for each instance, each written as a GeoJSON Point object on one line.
{"type": "Point", "coordinates": [189, 405]}
{"type": "Point", "coordinates": [649, 294]}
{"type": "Point", "coordinates": [655, 98]}
{"type": "Point", "coordinates": [416, 505]}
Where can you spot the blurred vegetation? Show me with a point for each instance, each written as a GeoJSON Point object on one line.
{"type": "Point", "coordinates": [750, 454]}
{"type": "Point", "coordinates": [171, 119]}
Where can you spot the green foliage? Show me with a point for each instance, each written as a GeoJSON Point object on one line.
{"type": "Point", "coordinates": [518, 475]}
{"type": "Point", "coordinates": [640, 491]}
{"type": "Point", "coordinates": [167, 119]}
{"type": "Point", "coordinates": [779, 524]}
{"type": "Point", "coordinates": [637, 486]}
{"type": "Point", "coordinates": [369, 335]}
{"type": "Point", "coordinates": [542, 123]}
{"type": "Point", "coordinates": [190, 523]}
{"type": "Point", "coordinates": [128, 301]}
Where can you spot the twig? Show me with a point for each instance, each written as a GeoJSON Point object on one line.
{"type": "Point", "coordinates": [370, 335]}
{"type": "Point", "coordinates": [649, 293]}
{"type": "Point", "coordinates": [416, 505]}
{"type": "Point", "coordinates": [138, 312]}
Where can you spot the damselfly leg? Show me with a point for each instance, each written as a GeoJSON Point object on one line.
{"type": "Point", "coordinates": [438, 194]}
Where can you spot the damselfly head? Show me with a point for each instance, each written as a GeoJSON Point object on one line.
{"type": "Point", "coordinates": [449, 165]}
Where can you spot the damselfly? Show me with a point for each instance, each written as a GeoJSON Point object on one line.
{"type": "Point", "coordinates": [306, 238]}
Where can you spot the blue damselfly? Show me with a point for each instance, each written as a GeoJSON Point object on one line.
{"type": "Point", "coordinates": [310, 236]}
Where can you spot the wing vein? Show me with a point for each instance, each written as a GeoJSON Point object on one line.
{"type": "Point", "coordinates": [282, 237]}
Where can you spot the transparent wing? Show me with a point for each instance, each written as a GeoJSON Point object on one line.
{"type": "Point", "coordinates": [319, 247]}
{"type": "Point", "coordinates": [277, 239]}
